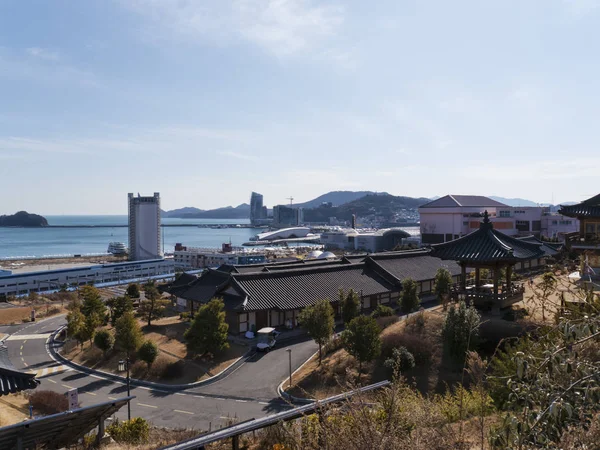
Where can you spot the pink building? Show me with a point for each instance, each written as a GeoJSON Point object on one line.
{"type": "Point", "coordinates": [453, 216]}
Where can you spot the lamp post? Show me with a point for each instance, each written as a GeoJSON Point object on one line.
{"type": "Point", "coordinates": [124, 365]}
{"type": "Point", "coordinates": [289, 350]}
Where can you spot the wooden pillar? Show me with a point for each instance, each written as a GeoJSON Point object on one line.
{"type": "Point", "coordinates": [235, 442]}
{"type": "Point", "coordinates": [509, 269]}
{"type": "Point", "coordinates": [477, 277]}
{"type": "Point", "coordinates": [463, 277]}
{"type": "Point", "coordinates": [496, 277]}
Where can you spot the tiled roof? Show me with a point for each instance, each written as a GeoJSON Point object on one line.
{"type": "Point", "coordinates": [587, 208]}
{"type": "Point", "coordinates": [295, 289]}
{"type": "Point", "coordinates": [205, 287]}
{"type": "Point", "coordinates": [473, 201]}
{"type": "Point", "coordinates": [181, 284]}
{"type": "Point", "coordinates": [11, 380]}
{"type": "Point", "coordinates": [548, 248]}
{"type": "Point", "coordinates": [418, 265]}
{"type": "Point", "coordinates": [487, 245]}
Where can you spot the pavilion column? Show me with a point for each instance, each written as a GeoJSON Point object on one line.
{"type": "Point", "coordinates": [496, 277]}
{"type": "Point", "coordinates": [477, 278]}
{"type": "Point", "coordinates": [463, 277]}
{"type": "Point", "coordinates": [509, 269]}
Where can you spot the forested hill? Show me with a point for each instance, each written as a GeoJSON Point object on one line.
{"type": "Point", "coordinates": [23, 219]}
{"type": "Point", "coordinates": [385, 205]}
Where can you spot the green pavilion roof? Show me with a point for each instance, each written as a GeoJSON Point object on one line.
{"type": "Point", "coordinates": [487, 246]}
{"type": "Point", "coordinates": [587, 208]}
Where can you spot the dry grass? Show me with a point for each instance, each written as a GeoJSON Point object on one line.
{"type": "Point", "coordinates": [167, 333]}
{"type": "Point", "coordinates": [11, 316]}
{"type": "Point", "coordinates": [159, 437]}
{"type": "Point", "coordinates": [13, 409]}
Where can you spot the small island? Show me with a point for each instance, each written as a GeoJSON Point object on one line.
{"type": "Point", "coordinates": [23, 219]}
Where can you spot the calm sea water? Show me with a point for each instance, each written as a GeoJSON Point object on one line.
{"type": "Point", "coordinates": [38, 242]}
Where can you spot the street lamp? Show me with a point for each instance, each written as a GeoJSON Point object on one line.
{"type": "Point", "coordinates": [289, 350]}
{"type": "Point", "coordinates": [124, 365]}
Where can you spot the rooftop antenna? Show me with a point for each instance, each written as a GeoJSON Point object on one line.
{"type": "Point", "coordinates": [291, 199]}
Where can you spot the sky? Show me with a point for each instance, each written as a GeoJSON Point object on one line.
{"type": "Point", "coordinates": [205, 101]}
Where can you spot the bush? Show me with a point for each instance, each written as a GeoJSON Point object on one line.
{"type": "Point", "coordinates": [383, 311]}
{"type": "Point", "coordinates": [401, 360]}
{"type": "Point", "coordinates": [186, 316]}
{"type": "Point", "coordinates": [148, 352]}
{"type": "Point", "coordinates": [104, 340]}
{"type": "Point", "coordinates": [385, 322]}
{"type": "Point", "coordinates": [48, 402]}
{"type": "Point", "coordinates": [134, 431]}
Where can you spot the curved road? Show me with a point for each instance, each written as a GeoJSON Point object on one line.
{"type": "Point", "coordinates": [249, 392]}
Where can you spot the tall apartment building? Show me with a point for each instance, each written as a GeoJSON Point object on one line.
{"type": "Point", "coordinates": [286, 216]}
{"type": "Point", "coordinates": [144, 227]}
{"type": "Point", "coordinates": [258, 212]}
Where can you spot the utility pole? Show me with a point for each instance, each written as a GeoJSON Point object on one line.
{"type": "Point", "coordinates": [289, 350]}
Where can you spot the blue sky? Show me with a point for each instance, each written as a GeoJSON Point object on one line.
{"type": "Point", "coordinates": [205, 101]}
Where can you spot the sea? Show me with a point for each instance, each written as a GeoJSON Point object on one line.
{"type": "Point", "coordinates": [55, 241]}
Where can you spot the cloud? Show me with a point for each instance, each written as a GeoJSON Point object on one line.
{"type": "Point", "coordinates": [281, 27]}
{"type": "Point", "coordinates": [43, 53]}
{"type": "Point", "coordinates": [237, 155]}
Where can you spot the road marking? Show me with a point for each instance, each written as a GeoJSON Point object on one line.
{"type": "Point", "coordinates": [67, 386]}
{"type": "Point", "coordinates": [147, 406]}
{"type": "Point", "coordinates": [262, 403]}
{"type": "Point", "coordinates": [24, 341]}
{"type": "Point", "coordinates": [145, 388]}
{"type": "Point", "coordinates": [19, 337]}
{"type": "Point", "coordinates": [52, 370]}
{"type": "Point", "coordinates": [52, 381]}
{"type": "Point", "coordinates": [242, 401]}
{"type": "Point", "coordinates": [26, 365]}
{"type": "Point", "coordinates": [21, 354]}
{"type": "Point", "coordinates": [183, 412]}
{"type": "Point", "coordinates": [21, 347]}
{"type": "Point", "coordinates": [112, 398]}
{"type": "Point", "coordinates": [91, 393]}
{"type": "Point", "coordinates": [179, 393]}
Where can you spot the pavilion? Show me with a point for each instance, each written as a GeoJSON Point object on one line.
{"type": "Point", "coordinates": [588, 239]}
{"type": "Point", "coordinates": [487, 248]}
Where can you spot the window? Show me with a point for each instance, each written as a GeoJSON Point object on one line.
{"type": "Point", "coordinates": [465, 224]}
{"type": "Point", "coordinates": [504, 213]}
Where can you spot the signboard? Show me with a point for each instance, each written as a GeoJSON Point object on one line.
{"type": "Point", "coordinates": [73, 398]}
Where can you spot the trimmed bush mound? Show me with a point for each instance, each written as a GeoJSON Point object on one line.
{"type": "Point", "coordinates": [134, 431]}
{"type": "Point", "coordinates": [48, 402]}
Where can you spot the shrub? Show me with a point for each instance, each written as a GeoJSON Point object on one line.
{"type": "Point", "coordinates": [48, 402]}
{"type": "Point", "coordinates": [148, 352]}
{"type": "Point", "coordinates": [134, 431]}
{"type": "Point", "coordinates": [104, 340]}
{"type": "Point", "coordinates": [409, 299]}
{"type": "Point", "coordinates": [401, 360]}
{"type": "Point", "coordinates": [186, 316]}
{"type": "Point", "coordinates": [383, 311]}
{"type": "Point", "coordinates": [133, 290]}
{"type": "Point", "coordinates": [461, 330]}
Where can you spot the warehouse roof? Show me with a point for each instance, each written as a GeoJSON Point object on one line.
{"type": "Point", "coordinates": [468, 201]}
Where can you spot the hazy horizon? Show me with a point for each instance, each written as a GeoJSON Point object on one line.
{"type": "Point", "coordinates": [207, 101]}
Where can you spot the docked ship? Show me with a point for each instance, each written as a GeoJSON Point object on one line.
{"type": "Point", "coordinates": [117, 248]}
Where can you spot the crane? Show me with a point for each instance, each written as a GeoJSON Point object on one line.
{"type": "Point", "coordinates": [291, 199]}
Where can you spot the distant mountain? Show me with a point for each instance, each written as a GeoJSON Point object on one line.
{"type": "Point", "coordinates": [23, 219]}
{"type": "Point", "coordinates": [514, 201]}
{"type": "Point", "coordinates": [384, 205]}
{"type": "Point", "coordinates": [228, 212]}
{"type": "Point", "coordinates": [336, 198]}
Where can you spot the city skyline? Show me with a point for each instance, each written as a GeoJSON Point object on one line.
{"type": "Point", "coordinates": [205, 102]}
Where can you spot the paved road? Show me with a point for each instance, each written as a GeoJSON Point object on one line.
{"type": "Point", "coordinates": [247, 393]}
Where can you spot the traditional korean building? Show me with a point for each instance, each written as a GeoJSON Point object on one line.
{"type": "Point", "coordinates": [273, 294]}
{"type": "Point", "coordinates": [587, 240]}
{"type": "Point", "coordinates": [490, 249]}
{"type": "Point", "coordinates": [11, 379]}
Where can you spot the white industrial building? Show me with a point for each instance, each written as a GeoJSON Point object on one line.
{"type": "Point", "coordinates": [144, 227]}
{"type": "Point", "coordinates": [52, 280]}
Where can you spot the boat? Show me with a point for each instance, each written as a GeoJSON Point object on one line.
{"type": "Point", "coordinates": [117, 248]}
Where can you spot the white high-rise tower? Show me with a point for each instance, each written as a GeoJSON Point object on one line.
{"type": "Point", "coordinates": [144, 227]}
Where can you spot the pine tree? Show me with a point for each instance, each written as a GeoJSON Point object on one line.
{"type": "Point", "coordinates": [350, 305]}
{"type": "Point", "coordinates": [208, 330]}
{"type": "Point", "coordinates": [148, 352]}
{"type": "Point", "coordinates": [128, 335]}
{"type": "Point", "coordinates": [361, 339]}
{"type": "Point", "coordinates": [318, 320]}
{"type": "Point", "coordinates": [409, 299]}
